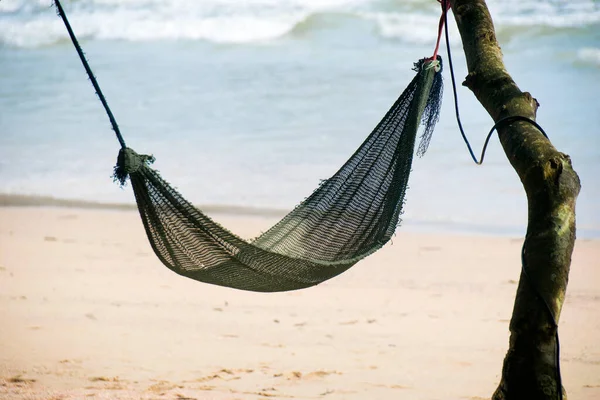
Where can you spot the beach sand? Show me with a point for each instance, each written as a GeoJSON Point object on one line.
{"type": "Point", "coordinates": [88, 311]}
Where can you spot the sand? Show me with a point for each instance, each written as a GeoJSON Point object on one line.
{"type": "Point", "coordinates": [87, 311]}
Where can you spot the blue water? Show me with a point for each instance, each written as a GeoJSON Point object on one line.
{"type": "Point", "coordinates": [253, 103]}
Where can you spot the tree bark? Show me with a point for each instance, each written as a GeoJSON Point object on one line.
{"type": "Point", "coordinates": [552, 186]}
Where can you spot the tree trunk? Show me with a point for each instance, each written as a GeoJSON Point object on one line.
{"type": "Point", "coordinates": [530, 368]}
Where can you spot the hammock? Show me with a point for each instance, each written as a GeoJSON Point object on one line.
{"type": "Point", "coordinates": [350, 215]}
{"type": "Point", "coordinates": [347, 218]}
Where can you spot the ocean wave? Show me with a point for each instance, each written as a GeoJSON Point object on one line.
{"type": "Point", "coordinates": [33, 23]}
{"type": "Point", "coordinates": [140, 22]}
{"type": "Point", "coordinates": [552, 14]}
{"type": "Point", "coordinates": [418, 28]}
{"type": "Point", "coordinates": [589, 55]}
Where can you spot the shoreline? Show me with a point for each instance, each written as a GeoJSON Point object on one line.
{"type": "Point", "coordinates": [224, 210]}
{"type": "Point", "coordinates": [19, 200]}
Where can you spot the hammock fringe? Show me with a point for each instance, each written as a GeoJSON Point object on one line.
{"type": "Point", "coordinates": [129, 162]}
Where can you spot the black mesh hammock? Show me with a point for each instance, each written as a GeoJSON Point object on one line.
{"type": "Point", "coordinates": [348, 217]}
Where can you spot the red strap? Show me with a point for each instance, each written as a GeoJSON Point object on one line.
{"type": "Point", "coordinates": [445, 7]}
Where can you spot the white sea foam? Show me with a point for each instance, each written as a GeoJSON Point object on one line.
{"type": "Point", "coordinates": [589, 55]}
{"type": "Point", "coordinates": [413, 28]}
{"type": "Point", "coordinates": [32, 23]}
{"type": "Point", "coordinates": [553, 14]}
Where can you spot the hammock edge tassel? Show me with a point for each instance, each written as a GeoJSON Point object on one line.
{"type": "Point", "coordinates": [128, 162]}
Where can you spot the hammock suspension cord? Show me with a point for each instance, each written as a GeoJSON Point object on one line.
{"type": "Point", "coordinates": [90, 74]}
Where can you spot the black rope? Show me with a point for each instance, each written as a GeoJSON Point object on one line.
{"type": "Point", "coordinates": [498, 123]}
{"type": "Point", "coordinates": [113, 122]}
{"type": "Point", "coordinates": [501, 121]}
{"type": "Point", "coordinates": [505, 120]}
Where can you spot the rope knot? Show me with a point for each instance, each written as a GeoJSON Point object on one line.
{"type": "Point", "coordinates": [129, 162]}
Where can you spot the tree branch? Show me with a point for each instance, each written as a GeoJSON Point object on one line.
{"type": "Point", "coordinates": [551, 185]}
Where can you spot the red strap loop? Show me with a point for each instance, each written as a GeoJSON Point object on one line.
{"type": "Point", "coordinates": [445, 7]}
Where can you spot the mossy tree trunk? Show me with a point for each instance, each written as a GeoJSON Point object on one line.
{"type": "Point", "coordinates": [551, 185]}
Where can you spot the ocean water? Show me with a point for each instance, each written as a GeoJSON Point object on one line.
{"type": "Point", "coordinates": [252, 103]}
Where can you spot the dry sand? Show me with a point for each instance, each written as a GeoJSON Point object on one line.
{"type": "Point", "coordinates": [87, 311]}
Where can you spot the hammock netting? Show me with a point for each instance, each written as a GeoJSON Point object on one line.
{"type": "Point", "coordinates": [348, 217]}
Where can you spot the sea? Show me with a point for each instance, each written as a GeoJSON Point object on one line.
{"type": "Point", "coordinates": [252, 103]}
